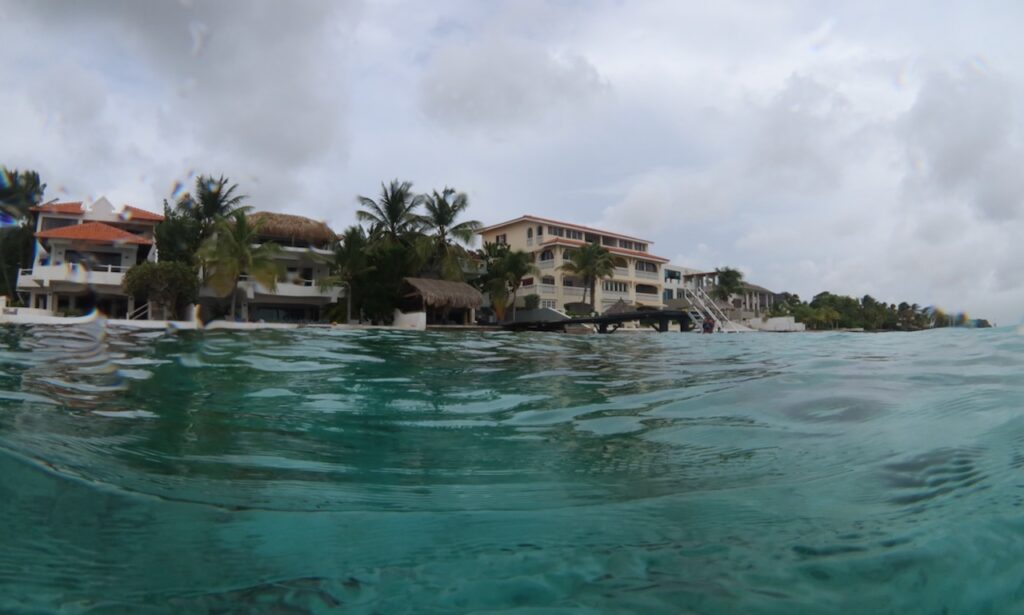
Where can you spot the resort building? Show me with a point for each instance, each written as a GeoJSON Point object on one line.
{"type": "Point", "coordinates": [82, 254]}
{"type": "Point", "coordinates": [304, 265]}
{"type": "Point", "coordinates": [638, 276]}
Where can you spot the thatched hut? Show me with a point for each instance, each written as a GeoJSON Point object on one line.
{"type": "Point", "coordinates": [620, 307]}
{"type": "Point", "coordinates": [292, 230]}
{"type": "Point", "coordinates": [445, 302]}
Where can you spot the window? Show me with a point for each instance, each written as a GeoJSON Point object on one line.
{"type": "Point", "coordinates": [527, 281]}
{"type": "Point", "coordinates": [645, 266]}
{"type": "Point", "coordinates": [571, 234]}
{"type": "Point", "coordinates": [609, 241]}
{"type": "Point", "coordinates": [501, 239]}
{"type": "Point", "coordinates": [568, 282]}
{"type": "Point", "coordinates": [667, 294]}
{"type": "Point", "coordinates": [567, 253]}
{"type": "Point", "coordinates": [529, 233]}
{"type": "Point", "coordinates": [547, 255]}
{"type": "Point", "coordinates": [548, 279]}
{"type": "Point", "coordinates": [615, 287]}
{"type": "Point", "coordinates": [641, 247]}
{"type": "Point", "coordinates": [540, 230]}
{"type": "Point", "coordinates": [647, 289]}
{"type": "Point", "coordinates": [548, 303]}
{"type": "Point", "coordinates": [625, 244]}
{"type": "Point", "coordinates": [557, 231]}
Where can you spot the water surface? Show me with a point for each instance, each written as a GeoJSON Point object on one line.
{"type": "Point", "coordinates": [401, 472]}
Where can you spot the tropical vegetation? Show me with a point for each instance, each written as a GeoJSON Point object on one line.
{"type": "Point", "coordinates": [234, 249]}
{"type": "Point", "coordinates": [170, 285]}
{"type": "Point", "coordinates": [19, 192]}
{"type": "Point", "coordinates": [591, 263]}
{"type": "Point", "coordinates": [830, 311]}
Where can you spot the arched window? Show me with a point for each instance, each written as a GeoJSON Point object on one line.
{"type": "Point", "coordinates": [547, 255]}
{"type": "Point", "coordinates": [529, 233]}
{"type": "Point", "coordinates": [548, 279]}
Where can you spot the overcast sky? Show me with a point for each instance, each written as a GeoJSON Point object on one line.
{"type": "Point", "coordinates": [853, 147]}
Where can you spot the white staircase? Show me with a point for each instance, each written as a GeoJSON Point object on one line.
{"type": "Point", "coordinates": [141, 312]}
{"type": "Point", "coordinates": [706, 305]}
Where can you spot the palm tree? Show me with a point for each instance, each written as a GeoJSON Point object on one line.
{"type": "Point", "coordinates": [392, 217]}
{"type": "Point", "coordinates": [213, 200]}
{"type": "Point", "coordinates": [442, 212]}
{"type": "Point", "coordinates": [504, 276]}
{"type": "Point", "coordinates": [349, 261]}
{"type": "Point", "coordinates": [730, 282]}
{"type": "Point", "coordinates": [233, 250]}
{"type": "Point", "coordinates": [19, 191]}
{"type": "Point", "coordinates": [590, 262]}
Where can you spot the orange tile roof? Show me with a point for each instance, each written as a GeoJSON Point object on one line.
{"type": "Point", "coordinates": [96, 232]}
{"type": "Point", "coordinates": [612, 249]}
{"type": "Point", "coordinates": [134, 213]}
{"type": "Point", "coordinates": [74, 209]}
{"type": "Point", "coordinates": [560, 223]}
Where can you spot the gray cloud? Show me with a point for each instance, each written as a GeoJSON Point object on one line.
{"type": "Point", "coordinates": [501, 85]}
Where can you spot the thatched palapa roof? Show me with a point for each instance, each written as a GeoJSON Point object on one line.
{"type": "Point", "coordinates": [291, 229]}
{"type": "Point", "coordinates": [620, 307]}
{"type": "Point", "coordinates": [442, 293]}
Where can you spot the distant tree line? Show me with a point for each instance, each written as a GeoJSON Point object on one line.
{"type": "Point", "coordinates": [829, 311]}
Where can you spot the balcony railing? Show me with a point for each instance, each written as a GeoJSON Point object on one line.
{"type": "Point", "coordinates": [649, 298]}
{"type": "Point", "coordinates": [547, 289]}
{"type": "Point", "coordinates": [650, 275]}
{"type": "Point", "coordinates": [548, 264]}
{"type": "Point", "coordinates": [621, 272]}
{"type": "Point", "coordinates": [76, 273]}
{"type": "Point", "coordinates": [573, 292]}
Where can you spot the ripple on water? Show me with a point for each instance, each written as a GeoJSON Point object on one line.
{"type": "Point", "coordinates": [403, 472]}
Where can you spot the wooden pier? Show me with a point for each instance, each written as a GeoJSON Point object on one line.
{"type": "Point", "coordinates": [659, 320]}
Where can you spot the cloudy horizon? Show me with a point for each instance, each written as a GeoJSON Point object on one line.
{"type": "Point", "coordinates": [866, 149]}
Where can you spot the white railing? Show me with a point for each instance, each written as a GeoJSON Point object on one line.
{"type": "Point", "coordinates": [573, 292]}
{"type": "Point", "coordinates": [547, 289]}
{"type": "Point", "coordinates": [614, 294]}
{"type": "Point", "coordinates": [650, 275]}
{"type": "Point", "coordinates": [75, 273]}
{"type": "Point", "coordinates": [648, 298]}
{"type": "Point", "coordinates": [548, 264]}
{"type": "Point", "coordinates": [621, 272]}
{"type": "Point", "coordinates": [140, 312]}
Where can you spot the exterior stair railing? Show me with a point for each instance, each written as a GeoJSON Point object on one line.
{"type": "Point", "coordinates": [140, 312]}
{"type": "Point", "coordinates": [707, 305]}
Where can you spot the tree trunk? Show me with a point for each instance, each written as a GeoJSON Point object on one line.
{"type": "Point", "coordinates": [514, 304]}
{"type": "Point", "coordinates": [593, 290]}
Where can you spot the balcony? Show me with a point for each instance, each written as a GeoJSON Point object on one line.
{"type": "Point", "coordinates": [548, 264]}
{"type": "Point", "coordinates": [573, 292]}
{"type": "Point", "coordinates": [614, 295]}
{"type": "Point", "coordinates": [547, 289]}
{"type": "Point", "coordinates": [647, 275]}
{"type": "Point", "coordinates": [648, 298]}
{"type": "Point", "coordinates": [42, 276]}
{"type": "Point", "coordinates": [295, 287]}
{"type": "Point", "coordinates": [621, 272]}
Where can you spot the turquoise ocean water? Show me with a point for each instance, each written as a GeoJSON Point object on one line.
{"type": "Point", "coordinates": [394, 472]}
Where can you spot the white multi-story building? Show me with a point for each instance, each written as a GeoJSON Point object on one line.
{"type": "Point", "coordinates": [638, 275]}
{"type": "Point", "coordinates": [82, 254]}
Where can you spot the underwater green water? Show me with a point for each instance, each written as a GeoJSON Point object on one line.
{"type": "Point", "coordinates": [400, 472]}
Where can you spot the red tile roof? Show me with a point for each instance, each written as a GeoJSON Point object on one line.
{"type": "Point", "coordinates": [74, 209]}
{"type": "Point", "coordinates": [134, 213]}
{"type": "Point", "coordinates": [612, 249]}
{"type": "Point", "coordinates": [95, 232]}
{"type": "Point", "coordinates": [564, 224]}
